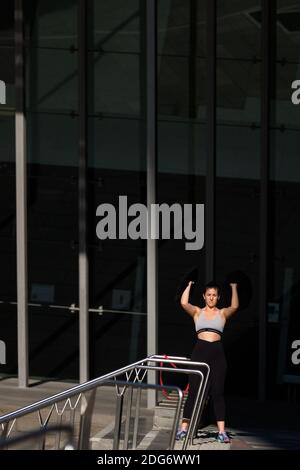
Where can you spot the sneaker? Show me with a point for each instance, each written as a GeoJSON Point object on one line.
{"type": "Point", "coordinates": [180, 435]}
{"type": "Point", "coordinates": [223, 437]}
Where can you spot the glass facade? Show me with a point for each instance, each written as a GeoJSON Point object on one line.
{"type": "Point", "coordinates": [8, 310]}
{"type": "Point", "coordinates": [51, 56]}
{"type": "Point", "coordinates": [181, 152]}
{"type": "Point", "coordinates": [283, 294]}
{"type": "Point", "coordinates": [116, 167]}
{"type": "Point", "coordinates": [116, 122]}
{"type": "Point", "coordinates": [238, 137]}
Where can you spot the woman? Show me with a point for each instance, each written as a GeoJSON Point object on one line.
{"type": "Point", "coordinates": [209, 324]}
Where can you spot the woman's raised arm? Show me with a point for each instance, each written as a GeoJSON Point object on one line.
{"type": "Point", "coordinates": [184, 301]}
{"type": "Point", "coordinates": [234, 301]}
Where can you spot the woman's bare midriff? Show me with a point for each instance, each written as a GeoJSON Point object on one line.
{"type": "Point", "coordinates": [209, 336]}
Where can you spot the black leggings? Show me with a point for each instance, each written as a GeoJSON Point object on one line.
{"type": "Point", "coordinates": [213, 354]}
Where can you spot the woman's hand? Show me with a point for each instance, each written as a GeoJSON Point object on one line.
{"type": "Point", "coordinates": [233, 284]}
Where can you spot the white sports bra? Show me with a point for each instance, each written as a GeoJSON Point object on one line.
{"type": "Point", "coordinates": [215, 324]}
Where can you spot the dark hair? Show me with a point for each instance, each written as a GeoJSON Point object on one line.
{"type": "Point", "coordinates": [212, 285]}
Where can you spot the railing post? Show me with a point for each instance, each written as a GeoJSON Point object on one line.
{"type": "Point", "coordinates": [118, 422]}
{"type": "Point", "coordinates": [128, 416]}
{"type": "Point", "coordinates": [86, 420]}
{"type": "Point", "coordinates": [137, 417]}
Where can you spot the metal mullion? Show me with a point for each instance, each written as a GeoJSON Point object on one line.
{"type": "Point", "coordinates": [83, 264]}
{"type": "Point", "coordinates": [210, 187]}
{"type": "Point", "coordinates": [151, 149]}
{"type": "Point", "coordinates": [21, 197]}
{"type": "Point", "coordinates": [267, 48]}
{"type": "Point", "coordinates": [192, 66]}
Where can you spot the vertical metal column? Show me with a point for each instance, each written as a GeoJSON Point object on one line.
{"type": "Point", "coordinates": [266, 47]}
{"type": "Point", "coordinates": [192, 189]}
{"type": "Point", "coordinates": [193, 59]}
{"type": "Point", "coordinates": [151, 149]}
{"type": "Point", "coordinates": [82, 197]}
{"type": "Point", "coordinates": [21, 197]}
{"type": "Point", "coordinates": [210, 205]}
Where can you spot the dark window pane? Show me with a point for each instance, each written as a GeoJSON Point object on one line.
{"type": "Point", "coordinates": [116, 25]}
{"type": "Point", "coordinates": [238, 29]}
{"type": "Point", "coordinates": [115, 144]}
{"type": "Point", "coordinates": [116, 83]}
{"type": "Point", "coordinates": [283, 315]}
{"type": "Point", "coordinates": [52, 140]}
{"type": "Point", "coordinates": [238, 92]}
{"type": "Point", "coordinates": [285, 114]}
{"type": "Point", "coordinates": [52, 23]}
{"type": "Point", "coordinates": [52, 80]}
{"type": "Point", "coordinates": [237, 248]}
{"type": "Point", "coordinates": [7, 23]}
{"type": "Point", "coordinates": [7, 78]}
{"type": "Point", "coordinates": [117, 166]}
{"type": "Point", "coordinates": [288, 29]}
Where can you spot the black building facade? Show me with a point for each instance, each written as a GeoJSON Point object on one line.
{"type": "Point", "coordinates": [222, 130]}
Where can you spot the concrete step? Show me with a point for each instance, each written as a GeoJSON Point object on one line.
{"type": "Point", "coordinates": [164, 412]}
{"type": "Point", "coordinates": [164, 417]}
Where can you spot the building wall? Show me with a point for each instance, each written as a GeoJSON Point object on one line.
{"type": "Point", "coordinates": [116, 98]}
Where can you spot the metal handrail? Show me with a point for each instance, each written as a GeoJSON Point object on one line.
{"type": "Point", "coordinates": [69, 445]}
{"type": "Point", "coordinates": [141, 386]}
{"type": "Point", "coordinates": [199, 401]}
{"type": "Point", "coordinates": [84, 434]}
{"type": "Point", "coordinates": [92, 384]}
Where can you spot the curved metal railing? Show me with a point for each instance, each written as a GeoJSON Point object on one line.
{"type": "Point", "coordinates": [83, 396]}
